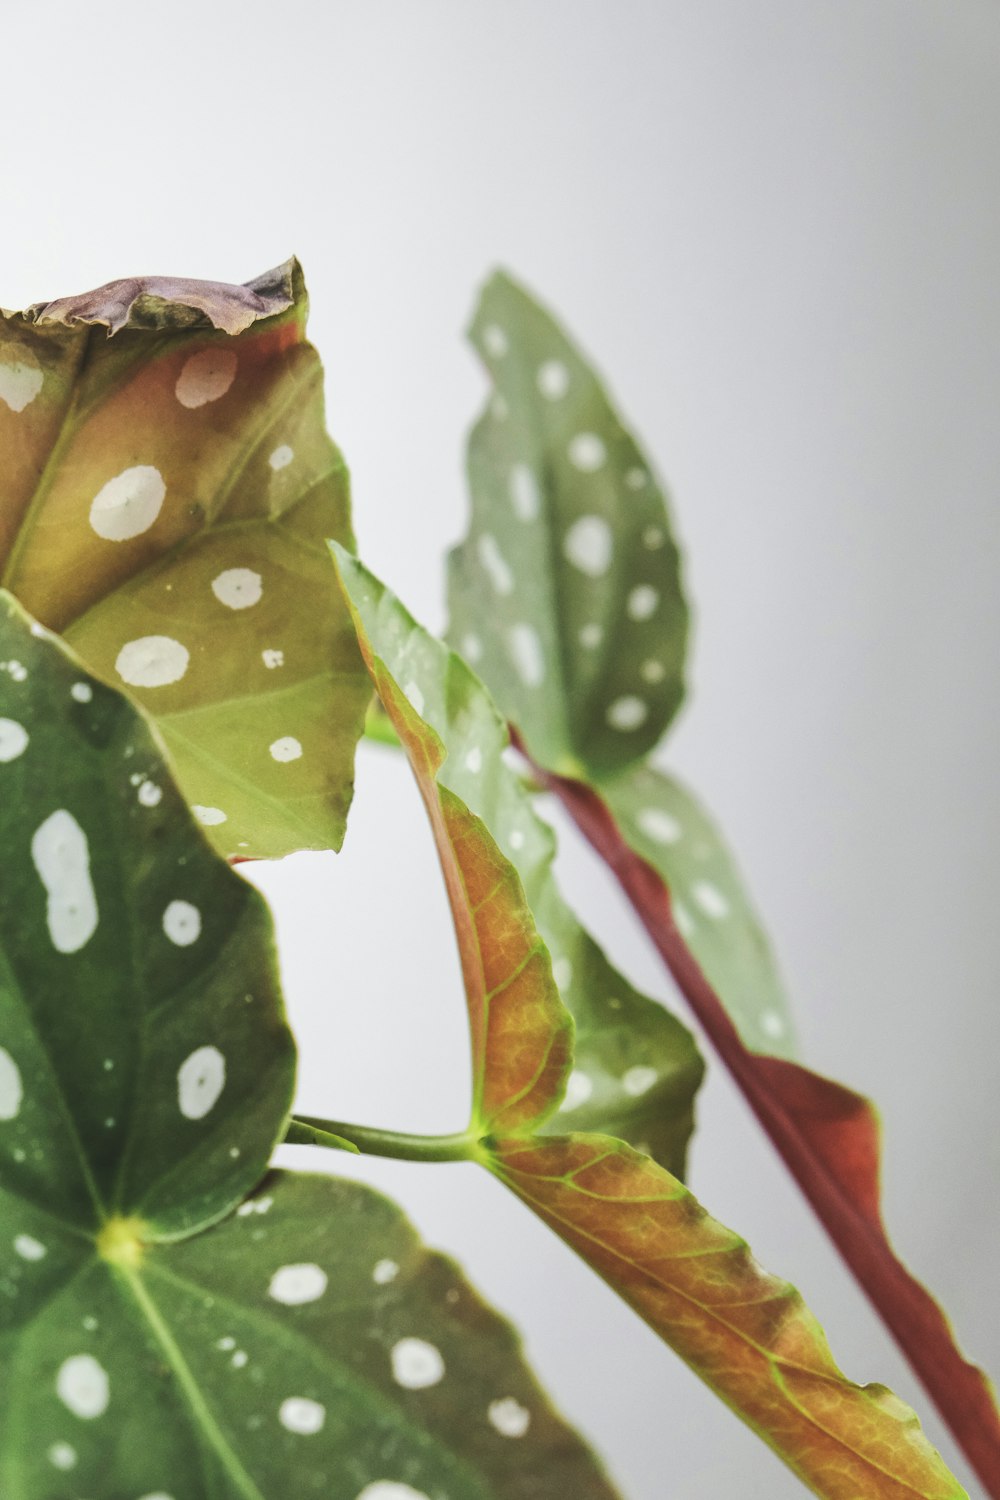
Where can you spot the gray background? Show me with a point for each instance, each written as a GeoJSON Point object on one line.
{"type": "Point", "coordinates": [775, 225]}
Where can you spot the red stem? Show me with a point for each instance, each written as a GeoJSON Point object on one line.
{"type": "Point", "coordinates": [786, 1099]}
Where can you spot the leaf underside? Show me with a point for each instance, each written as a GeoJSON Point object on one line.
{"type": "Point", "coordinates": [636, 1069]}
{"type": "Point", "coordinates": [747, 1334]}
{"type": "Point", "coordinates": [567, 596]}
{"type": "Point", "coordinates": [165, 497]}
{"type": "Point", "coordinates": [570, 558]}
{"type": "Point", "coordinates": [664, 823]}
{"type": "Point", "coordinates": [161, 1334]}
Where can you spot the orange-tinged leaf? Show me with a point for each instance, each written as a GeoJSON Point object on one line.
{"type": "Point", "coordinates": [167, 486]}
{"type": "Point", "coordinates": [636, 1069]}
{"type": "Point", "coordinates": [521, 1035]}
{"type": "Point", "coordinates": [747, 1334]}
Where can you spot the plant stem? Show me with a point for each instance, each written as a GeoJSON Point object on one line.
{"type": "Point", "coordinates": [308, 1130]}
{"type": "Point", "coordinates": [827, 1137]}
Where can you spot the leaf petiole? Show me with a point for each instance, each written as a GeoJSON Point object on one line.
{"type": "Point", "coordinates": [307, 1130]}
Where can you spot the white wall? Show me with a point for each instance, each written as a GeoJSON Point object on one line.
{"type": "Point", "coordinates": [776, 227]}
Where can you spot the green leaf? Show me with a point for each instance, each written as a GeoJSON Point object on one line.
{"type": "Point", "coordinates": [142, 1025]}
{"type": "Point", "coordinates": [307, 1345]}
{"type": "Point", "coordinates": [582, 587]}
{"type": "Point", "coordinates": [566, 594]}
{"type": "Point", "coordinates": [663, 822]}
{"type": "Point", "coordinates": [165, 495]}
{"type": "Point", "coordinates": [636, 1069]}
{"type": "Point", "coordinates": [748, 1335]}
{"type": "Point", "coordinates": [153, 1341]}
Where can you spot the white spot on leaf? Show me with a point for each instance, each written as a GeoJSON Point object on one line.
{"type": "Point", "coordinates": [206, 377]}
{"type": "Point", "coordinates": [281, 457]}
{"type": "Point", "coordinates": [589, 546]}
{"type": "Point", "coordinates": [272, 659]}
{"type": "Point", "coordinates": [638, 1080]}
{"type": "Point", "coordinates": [562, 973]}
{"type": "Point", "coordinates": [627, 713]}
{"type": "Point", "coordinates": [523, 489]}
{"type": "Point", "coordinates": [296, 1284]}
{"type": "Point", "coordinates": [416, 1364]}
{"type": "Point", "coordinates": [391, 1489]}
{"type": "Point", "coordinates": [711, 900]}
{"type": "Point", "coordinates": [495, 564]}
{"type": "Point", "coordinates": [586, 452]}
{"type": "Point", "coordinates": [384, 1271]}
{"type": "Point", "coordinates": [20, 380]}
{"type": "Point", "coordinates": [526, 653]}
{"type": "Point", "coordinates": [61, 855]}
{"type": "Point", "coordinates": [209, 816]}
{"type": "Point", "coordinates": [200, 1080]}
{"type": "Point", "coordinates": [238, 588]}
{"type": "Point", "coordinates": [13, 740]}
{"type": "Point", "coordinates": [11, 1088]}
{"type": "Point", "coordinates": [636, 479]}
{"type": "Point", "coordinates": [301, 1415]}
{"type": "Point", "coordinates": [28, 1248]}
{"type": "Point", "coordinates": [150, 795]}
{"type": "Point", "coordinates": [286, 749]}
{"type": "Point", "coordinates": [653, 537]}
{"type": "Point", "coordinates": [82, 692]}
{"type": "Point", "coordinates": [62, 1456]}
{"type": "Point", "coordinates": [591, 635]}
{"type": "Point", "coordinates": [578, 1090]}
{"type": "Point", "coordinates": [652, 671]}
{"type": "Point", "coordinates": [82, 1386]}
{"type": "Point", "coordinates": [474, 760]}
{"type": "Point", "coordinates": [509, 1417]}
{"type": "Point", "coordinates": [662, 827]}
{"type": "Point", "coordinates": [553, 379]}
{"type": "Point", "coordinates": [642, 602]}
{"type": "Point", "coordinates": [772, 1023]}
{"type": "Point", "coordinates": [494, 340]}
{"type": "Point", "coordinates": [128, 504]}
{"type": "Point", "coordinates": [152, 661]}
{"type": "Point", "coordinates": [182, 923]}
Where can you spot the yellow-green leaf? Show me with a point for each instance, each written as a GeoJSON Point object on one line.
{"type": "Point", "coordinates": [166, 489]}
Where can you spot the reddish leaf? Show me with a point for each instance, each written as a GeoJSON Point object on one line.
{"type": "Point", "coordinates": [829, 1138]}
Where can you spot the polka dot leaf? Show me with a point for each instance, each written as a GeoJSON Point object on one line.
{"type": "Point", "coordinates": [661, 820]}
{"type": "Point", "coordinates": [635, 1069]}
{"type": "Point", "coordinates": [171, 1326]}
{"type": "Point", "coordinates": [566, 594]}
{"type": "Point", "coordinates": [140, 1015]}
{"type": "Point", "coordinates": [166, 489]}
{"type": "Point", "coordinates": [748, 1335]}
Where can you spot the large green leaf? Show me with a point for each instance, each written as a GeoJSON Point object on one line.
{"type": "Point", "coordinates": [747, 1334]}
{"type": "Point", "coordinates": [166, 488]}
{"type": "Point", "coordinates": [662, 820]}
{"type": "Point", "coordinates": [159, 1336]}
{"type": "Point", "coordinates": [141, 1019]}
{"type": "Point", "coordinates": [636, 1069]}
{"type": "Point", "coordinates": [307, 1345]}
{"type": "Point", "coordinates": [566, 594]}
